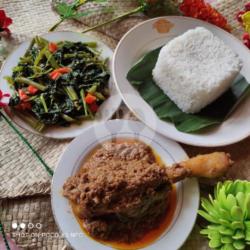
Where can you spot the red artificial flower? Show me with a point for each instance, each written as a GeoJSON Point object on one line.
{"type": "Point", "coordinates": [246, 36]}
{"type": "Point", "coordinates": [239, 15]}
{"type": "Point", "coordinates": [243, 18]}
{"type": "Point", "coordinates": [204, 11]}
{"type": "Point", "coordinates": [2, 95]}
{"type": "Point", "coordinates": [247, 6]}
{"type": "Point", "coordinates": [246, 39]}
{"type": "Point", "coordinates": [4, 22]}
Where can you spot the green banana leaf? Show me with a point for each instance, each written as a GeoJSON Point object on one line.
{"type": "Point", "coordinates": [140, 76]}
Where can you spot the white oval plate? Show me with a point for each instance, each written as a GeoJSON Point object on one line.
{"type": "Point", "coordinates": [106, 110]}
{"type": "Point", "coordinates": [144, 38]}
{"type": "Point", "coordinates": [170, 152]}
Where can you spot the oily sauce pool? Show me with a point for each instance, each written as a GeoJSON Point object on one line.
{"type": "Point", "coordinates": [149, 237]}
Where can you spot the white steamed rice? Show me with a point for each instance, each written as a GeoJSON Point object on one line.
{"type": "Point", "coordinates": [195, 68]}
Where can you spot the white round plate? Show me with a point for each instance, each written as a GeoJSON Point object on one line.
{"type": "Point", "coordinates": [72, 159]}
{"type": "Point", "coordinates": [144, 38]}
{"type": "Point", "coordinates": [106, 110]}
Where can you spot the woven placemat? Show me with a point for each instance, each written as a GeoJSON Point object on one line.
{"type": "Point", "coordinates": [41, 232]}
{"type": "Point", "coordinates": [230, 8]}
{"type": "Point", "coordinates": [23, 176]}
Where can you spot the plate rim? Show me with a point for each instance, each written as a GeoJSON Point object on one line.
{"type": "Point", "coordinates": [187, 141]}
{"type": "Point", "coordinates": [10, 114]}
{"type": "Point", "coordinates": [194, 181]}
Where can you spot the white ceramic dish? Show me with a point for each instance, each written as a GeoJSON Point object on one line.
{"type": "Point", "coordinates": [170, 152]}
{"type": "Point", "coordinates": [144, 38]}
{"type": "Point", "coordinates": [106, 110]}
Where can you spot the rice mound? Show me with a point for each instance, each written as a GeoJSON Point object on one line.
{"type": "Point", "coordinates": [196, 68]}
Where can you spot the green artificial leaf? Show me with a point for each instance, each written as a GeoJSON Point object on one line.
{"type": "Point", "coordinates": [221, 197]}
{"type": "Point", "coordinates": [226, 231]}
{"type": "Point", "coordinates": [64, 10]}
{"type": "Point", "coordinates": [240, 197]}
{"type": "Point", "coordinates": [228, 247]}
{"type": "Point", "coordinates": [214, 227]}
{"type": "Point", "coordinates": [239, 245]}
{"type": "Point", "coordinates": [236, 213]}
{"type": "Point", "coordinates": [218, 189]}
{"type": "Point", "coordinates": [232, 229]}
{"type": "Point", "coordinates": [209, 208]}
{"type": "Point", "coordinates": [140, 76]}
{"type": "Point", "coordinates": [247, 224]}
{"type": "Point", "coordinates": [214, 243]}
{"type": "Point", "coordinates": [239, 186]}
{"type": "Point", "coordinates": [247, 206]}
{"type": "Point", "coordinates": [207, 216]}
{"type": "Point", "coordinates": [247, 233]}
{"type": "Point", "coordinates": [247, 187]}
{"type": "Point", "coordinates": [69, 11]}
{"type": "Point", "coordinates": [229, 187]}
{"type": "Point", "coordinates": [238, 225]}
{"type": "Point", "coordinates": [226, 240]}
{"type": "Point", "coordinates": [214, 235]}
{"type": "Point", "coordinates": [239, 235]}
{"type": "Point", "coordinates": [225, 223]}
{"type": "Point", "coordinates": [205, 231]}
{"type": "Point", "coordinates": [224, 214]}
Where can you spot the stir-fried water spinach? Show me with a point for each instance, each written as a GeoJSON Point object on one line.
{"type": "Point", "coordinates": [59, 83]}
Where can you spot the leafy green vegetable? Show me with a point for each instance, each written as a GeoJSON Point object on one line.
{"type": "Point", "coordinates": [140, 76]}
{"type": "Point", "coordinates": [23, 80]}
{"type": "Point", "coordinates": [50, 86]}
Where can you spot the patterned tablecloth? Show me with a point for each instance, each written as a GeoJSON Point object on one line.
{"type": "Point", "coordinates": [25, 186]}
